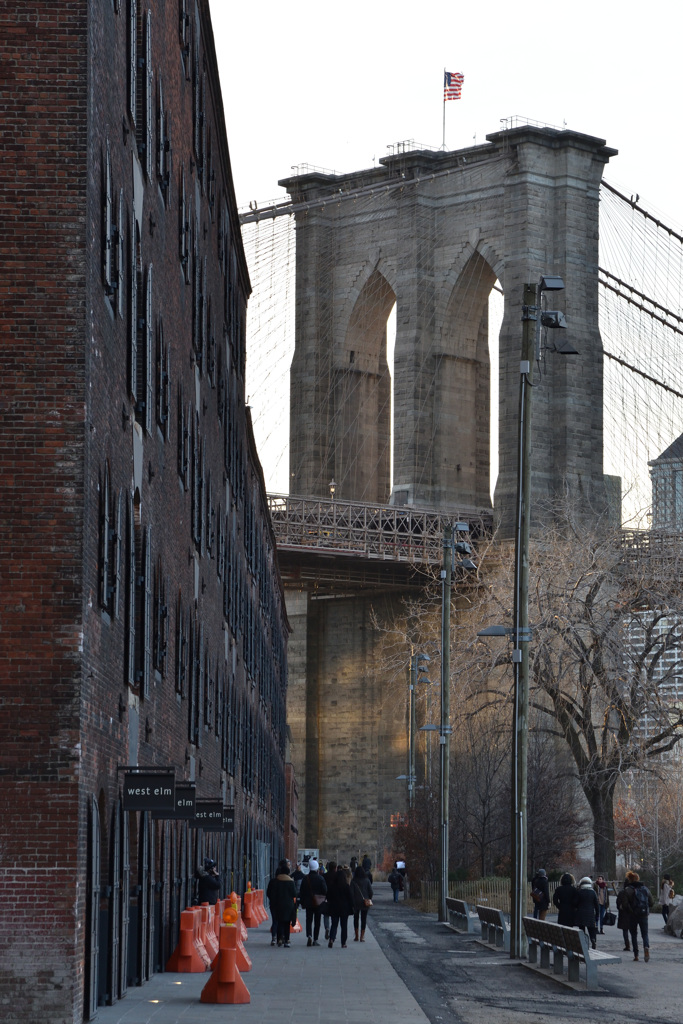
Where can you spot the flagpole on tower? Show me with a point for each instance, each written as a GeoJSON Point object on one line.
{"type": "Point", "coordinates": [452, 88]}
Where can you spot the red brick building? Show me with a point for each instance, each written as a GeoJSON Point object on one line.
{"type": "Point", "coordinates": [142, 618]}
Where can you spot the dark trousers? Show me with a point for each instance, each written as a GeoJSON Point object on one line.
{"type": "Point", "coordinates": [592, 932]}
{"type": "Point", "coordinates": [313, 917]}
{"type": "Point", "coordinates": [665, 912]}
{"type": "Point", "coordinates": [361, 914]}
{"type": "Point", "coordinates": [633, 928]}
{"type": "Point", "coordinates": [283, 931]}
{"type": "Point", "coordinates": [343, 921]}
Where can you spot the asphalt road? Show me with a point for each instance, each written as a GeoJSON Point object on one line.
{"type": "Point", "coordinates": [455, 980]}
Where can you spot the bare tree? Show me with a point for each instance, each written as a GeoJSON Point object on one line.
{"type": "Point", "coordinates": [604, 655]}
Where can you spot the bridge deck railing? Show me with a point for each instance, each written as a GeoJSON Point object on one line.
{"type": "Point", "coordinates": [395, 532]}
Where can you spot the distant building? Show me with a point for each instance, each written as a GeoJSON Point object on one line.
{"type": "Point", "coordinates": [666, 473]}
{"type": "Point", "coordinates": [142, 618]}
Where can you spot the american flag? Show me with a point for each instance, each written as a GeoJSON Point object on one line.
{"type": "Point", "coordinates": [452, 85]}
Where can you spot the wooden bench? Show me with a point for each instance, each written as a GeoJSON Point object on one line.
{"type": "Point", "coordinates": [545, 938]}
{"type": "Point", "coordinates": [459, 915]}
{"type": "Point", "coordinates": [495, 931]}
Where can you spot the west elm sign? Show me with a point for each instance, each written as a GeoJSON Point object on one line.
{"type": "Point", "coordinates": [149, 791]}
{"type": "Point", "coordinates": [212, 816]}
{"type": "Point", "coordinates": [185, 800]}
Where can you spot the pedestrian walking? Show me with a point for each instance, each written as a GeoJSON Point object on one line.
{"type": "Point", "coordinates": [298, 877]}
{"type": "Point", "coordinates": [329, 877]}
{"type": "Point", "coordinates": [366, 864]}
{"type": "Point", "coordinates": [563, 898]}
{"type": "Point", "coordinates": [540, 894]}
{"type": "Point", "coordinates": [312, 895]}
{"type": "Point", "coordinates": [602, 892]}
{"type": "Point", "coordinates": [666, 895]}
{"type": "Point", "coordinates": [361, 892]}
{"type": "Point", "coordinates": [624, 917]}
{"type": "Point", "coordinates": [281, 893]}
{"type": "Point", "coordinates": [340, 903]}
{"type": "Point", "coordinates": [640, 902]}
{"type": "Point", "coordinates": [586, 909]}
{"type": "Point", "coordinates": [208, 882]}
{"type": "Point", "coordinates": [395, 880]}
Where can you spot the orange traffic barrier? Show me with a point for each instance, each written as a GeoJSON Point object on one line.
{"type": "Point", "coordinates": [243, 959]}
{"type": "Point", "coordinates": [248, 915]}
{"type": "Point", "coordinates": [263, 913]}
{"type": "Point", "coordinates": [189, 956]}
{"type": "Point", "coordinates": [296, 927]}
{"type": "Point", "coordinates": [208, 931]}
{"type": "Point", "coordinates": [225, 984]}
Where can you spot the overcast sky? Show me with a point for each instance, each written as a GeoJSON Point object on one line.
{"type": "Point", "coordinates": [334, 85]}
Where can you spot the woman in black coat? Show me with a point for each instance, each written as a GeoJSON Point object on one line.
{"type": "Point", "coordinates": [586, 909]}
{"type": "Point", "coordinates": [340, 902]}
{"type": "Point", "coordinates": [361, 890]}
{"type": "Point", "coordinates": [563, 898]}
{"type": "Point", "coordinates": [282, 896]}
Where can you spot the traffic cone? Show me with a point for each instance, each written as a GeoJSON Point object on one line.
{"type": "Point", "coordinates": [225, 984]}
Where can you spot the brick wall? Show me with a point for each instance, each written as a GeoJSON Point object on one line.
{"type": "Point", "coordinates": [72, 425]}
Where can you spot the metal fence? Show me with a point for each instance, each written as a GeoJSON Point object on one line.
{"type": "Point", "coordinates": [487, 892]}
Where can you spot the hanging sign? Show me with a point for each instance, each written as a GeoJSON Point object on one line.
{"type": "Point", "coordinates": [185, 803]}
{"type": "Point", "coordinates": [185, 799]}
{"type": "Point", "coordinates": [213, 816]}
{"type": "Point", "coordinates": [208, 815]}
{"type": "Point", "coordinates": [149, 791]}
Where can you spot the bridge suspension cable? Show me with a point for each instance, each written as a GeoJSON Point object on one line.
{"type": "Point", "coordinates": [640, 310]}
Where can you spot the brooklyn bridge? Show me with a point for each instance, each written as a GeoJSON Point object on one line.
{"type": "Point", "coordinates": [385, 452]}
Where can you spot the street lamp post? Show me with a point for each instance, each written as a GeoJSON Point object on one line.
{"type": "Point", "coordinates": [445, 729]}
{"type": "Point", "coordinates": [533, 317]}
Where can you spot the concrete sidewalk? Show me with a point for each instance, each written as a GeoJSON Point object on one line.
{"type": "Point", "coordinates": [306, 985]}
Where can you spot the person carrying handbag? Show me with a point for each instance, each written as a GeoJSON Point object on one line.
{"type": "Point", "coordinates": [361, 891]}
{"type": "Point", "coordinates": [312, 895]}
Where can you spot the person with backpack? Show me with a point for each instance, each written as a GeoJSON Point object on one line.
{"type": "Point", "coordinates": [639, 901]}
{"type": "Point", "coordinates": [540, 894]}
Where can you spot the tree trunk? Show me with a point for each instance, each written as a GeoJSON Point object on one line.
{"type": "Point", "coordinates": [601, 802]}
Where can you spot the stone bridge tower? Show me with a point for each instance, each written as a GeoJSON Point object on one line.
{"type": "Point", "coordinates": [432, 233]}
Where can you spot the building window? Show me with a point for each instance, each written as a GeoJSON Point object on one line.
{"type": "Point", "coordinates": [184, 423]}
{"type": "Point", "coordinates": [209, 691]}
{"type": "Point", "coordinates": [160, 646]}
{"type": "Point", "coordinates": [144, 393]}
{"type": "Point", "coordinates": [181, 653]}
{"type": "Point", "coordinates": [144, 654]}
{"type": "Point", "coordinates": [184, 229]}
{"type": "Point", "coordinates": [133, 511]}
{"type": "Point", "coordinates": [119, 254]}
{"type": "Point", "coordinates": [132, 58]}
{"type": "Point", "coordinates": [110, 547]}
{"type": "Point", "coordinates": [163, 146]}
{"type": "Point", "coordinates": [144, 93]}
{"type": "Point", "coordinates": [135, 280]}
{"type": "Point", "coordinates": [108, 274]}
{"type": "Point", "coordinates": [184, 34]}
{"type": "Point", "coordinates": [163, 383]}
{"type": "Point", "coordinates": [196, 683]}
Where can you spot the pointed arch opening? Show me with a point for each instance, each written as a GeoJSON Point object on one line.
{"type": "Point", "coordinates": [361, 435]}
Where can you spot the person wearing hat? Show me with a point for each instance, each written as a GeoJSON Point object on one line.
{"type": "Point", "coordinates": [586, 909]}
{"type": "Point", "coordinates": [312, 895]}
{"type": "Point", "coordinates": [209, 882]}
{"type": "Point", "coordinates": [540, 894]}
